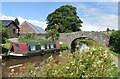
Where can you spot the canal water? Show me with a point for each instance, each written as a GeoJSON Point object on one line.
{"type": "Point", "coordinates": [83, 47]}
{"type": "Point", "coordinates": [13, 65]}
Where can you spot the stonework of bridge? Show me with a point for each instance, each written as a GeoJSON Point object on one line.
{"type": "Point", "coordinates": [68, 38]}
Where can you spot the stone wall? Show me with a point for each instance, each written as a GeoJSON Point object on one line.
{"type": "Point", "coordinates": [35, 36]}
{"type": "Point", "coordinates": [68, 38]}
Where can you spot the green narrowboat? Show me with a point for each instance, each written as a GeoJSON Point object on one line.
{"type": "Point", "coordinates": [19, 49]}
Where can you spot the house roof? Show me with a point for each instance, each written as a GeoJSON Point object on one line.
{"type": "Point", "coordinates": [36, 28]}
{"type": "Point", "coordinates": [7, 22]}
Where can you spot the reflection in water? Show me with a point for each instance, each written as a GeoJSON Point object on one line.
{"type": "Point", "coordinates": [83, 47]}
{"type": "Point", "coordinates": [13, 65]}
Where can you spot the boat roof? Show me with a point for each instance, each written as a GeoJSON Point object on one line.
{"type": "Point", "coordinates": [18, 43]}
{"type": "Point", "coordinates": [21, 48]}
{"type": "Point", "coordinates": [40, 43]}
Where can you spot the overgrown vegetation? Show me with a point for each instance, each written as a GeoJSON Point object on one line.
{"type": "Point", "coordinates": [32, 40]}
{"type": "Point", "coordinates": [63, 47]}
{"type": "Point", "coordinates": [115, 41]}
{"type": "Point", "coordinates": [87, 41]}
{"type": "Point", "coordinates": [4, 35]}
{"type": "Point", "coordinates": [94, 62]}
{"type": "Point", "coordinates": [6, 46]}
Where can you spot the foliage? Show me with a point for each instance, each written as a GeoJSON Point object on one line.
{"type": "Point", "coordinates": [116, 54]}
{"type": "Point", "coordinates": [16, 21]}
{"type": "Point", "coordinates": [64, 19]}
{"type": "Point", "coordinates": [63, 47]}
{"type": "Point", "coordinates": [4, 50]}
{"type": "Point", "coordinates": [87, 41]}
{"type": "Point", "coordinates": [32, 40]}
{"type": "Point", "coordinates": [4, 32]}
{"type": "Point", "coordinates": [54, 33]}
{"type": "Point", "coordinates": [6, 46]}
{"type": "Point", "coordinates": [108, 30]}
{"type": "Point", "coordinates": [115, 41]}
{"type": "Point", "coordinates": [94, 62]}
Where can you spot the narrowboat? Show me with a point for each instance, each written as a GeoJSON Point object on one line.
{"type": "Point", "coordinates": [19, 49]}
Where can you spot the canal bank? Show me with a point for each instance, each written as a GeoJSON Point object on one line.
{"type": "Point", "coordinates": [14, 66]}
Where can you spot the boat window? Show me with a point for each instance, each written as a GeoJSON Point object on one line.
{"type": "Point", "coordinates": [48, 46]}
{"type": "Point", "coordinates": [52, 46]}
{"type": "Point", "coordinates": [32, 47]}
{"type": "Point", "coordinates": [42, 47]}
{"type": "Point", "coordinates": [37, 47]}
{"type": "Point", "coordinates": [17, 48]}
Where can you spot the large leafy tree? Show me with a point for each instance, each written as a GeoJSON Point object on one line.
{"type": "Point", "coordinates": [64, 19]}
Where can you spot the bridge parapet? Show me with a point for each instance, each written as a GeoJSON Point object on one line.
{"type": "Point", "coordinates": [67, 38]}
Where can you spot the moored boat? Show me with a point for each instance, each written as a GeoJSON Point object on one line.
{"type": "Point", "coordinates": [19, 49]}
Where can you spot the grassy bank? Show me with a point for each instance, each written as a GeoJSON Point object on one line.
{"type": "Point", "coordinates": [32, 40]}
{"type": "Point", "coordinates": [116, 54]}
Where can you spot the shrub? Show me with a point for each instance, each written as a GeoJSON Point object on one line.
{"type": "Point", "coordinates": [87, 41]}
{"type": "Point", "coordinates": [115, 41]}
{"type": "Point", "coordinates": [4, 50]}
{"type": "Point", "coordinates": [95, 62]}
{"type": "Point", "coordinates": [63, 47]}
{"type": "Point", "coordinates": [3, 29]}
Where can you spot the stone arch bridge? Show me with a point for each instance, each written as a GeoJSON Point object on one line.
{"type": "Point", "coordinates": [68, 38]}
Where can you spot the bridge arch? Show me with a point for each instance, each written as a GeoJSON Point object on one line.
{"type": "Point", "coordinates": [83, 40]}
{"type": "Point", "coordinates": [68, 38]}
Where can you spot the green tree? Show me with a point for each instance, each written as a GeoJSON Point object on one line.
{"type": "Point", "coordinates": [3, 31]}
{"type": "Point", "coordinates": [53, 32]}
{"type": "Point", "coordinates": [64, 19]}
{"type": "Point", "coordinates": [107, 29]}
{"type": "Point", "coordinates": [115, 41]}
{"type": "Point", "coordinates": [16, 21]}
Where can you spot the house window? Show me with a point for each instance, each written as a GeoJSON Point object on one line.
{"type": "Point", "coordinates": [14, 30]}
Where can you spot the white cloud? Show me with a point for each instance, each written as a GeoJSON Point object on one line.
{"type": "Point", "coordinates": [100, 23]}
{"type": "Point", "coordinates": [3, 17]}
{"type": "Point", "coordinates": [98, 18]}
{"type": "Point", "coordinates": [21, 20]}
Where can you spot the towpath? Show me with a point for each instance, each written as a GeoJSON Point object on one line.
{"type": "Point", "coordinates": [13, 39]}
{"type": "Point", "coordinates": [116, 60]}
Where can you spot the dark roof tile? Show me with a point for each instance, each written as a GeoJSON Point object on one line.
{"type": "Point", "coordinates": [5, 22]}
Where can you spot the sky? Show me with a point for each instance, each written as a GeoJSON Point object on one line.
{"type": "Point", "coordinates": [96, 16]}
